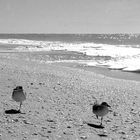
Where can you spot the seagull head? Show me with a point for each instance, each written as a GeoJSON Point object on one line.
{"type": "Point", "coordinates": [105, 104]}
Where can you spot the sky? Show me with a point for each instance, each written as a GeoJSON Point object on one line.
{"type": "Point", "coordinates": [69, 16]}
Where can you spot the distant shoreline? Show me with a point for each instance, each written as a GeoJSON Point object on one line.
{"type": "Point", "coordinates": [133, 76]}
{"type": "Point", "coordinates": [64, 48]}
{"type": "Point", "coordinates": [105, 71]}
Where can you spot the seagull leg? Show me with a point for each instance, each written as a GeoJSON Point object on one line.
{"type": "Point", "coordinates": [97, 116]}
{"type": "Point", "coordinates": [101, 120]}
{"type": "Point", "coordinates": [20, 106]}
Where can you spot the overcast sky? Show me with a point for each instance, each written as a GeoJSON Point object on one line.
{"type": "Point", "coordinates": [69, 16]}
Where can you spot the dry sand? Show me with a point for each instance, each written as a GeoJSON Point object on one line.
{"type": "Point", "coordinates": [57, 105]}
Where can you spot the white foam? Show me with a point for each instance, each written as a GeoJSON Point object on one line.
{"type": "Point", "coordinates": [91, 49]}
{"type": "Point", "coordinates": [132, 69]}
{"type": "Point", "coordinates": [126, 64]}
{"type": "Point", "coordinates": [124, 57]}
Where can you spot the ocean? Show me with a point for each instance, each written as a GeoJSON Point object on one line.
{"type": "Point", "coordinates": [111, 51]}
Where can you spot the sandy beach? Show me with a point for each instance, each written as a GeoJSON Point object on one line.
{"type": "Point", "coordinates": [58, 102]}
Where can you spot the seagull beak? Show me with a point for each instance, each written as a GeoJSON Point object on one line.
{"type": "Point", "coordinates": [108, 106]}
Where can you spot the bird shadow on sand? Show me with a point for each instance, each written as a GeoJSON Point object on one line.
{"type": "Point", "coordinates": [13, 111]}
{"type": "Point", "coordinates": [98, 127]}
{"type": "Point", "coordinates": [102, 135]}
{"type": "Point", "coordinates": [95, 126]}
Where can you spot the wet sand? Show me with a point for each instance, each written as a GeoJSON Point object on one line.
{"type": "Point", "coordinates": [58, 102]}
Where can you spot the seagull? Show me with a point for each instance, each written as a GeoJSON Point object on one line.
{"type": "Point", "coordinates": [19, 95]}
{"type": "Point", "coordinates": [100, 110]}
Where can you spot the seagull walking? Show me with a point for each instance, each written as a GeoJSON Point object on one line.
{"type": "Point", "coordinates": [100, 110]}
{"type": "Point", "coordinates": [19, 95]}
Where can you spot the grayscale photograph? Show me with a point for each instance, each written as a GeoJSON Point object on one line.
{"type": "Point", "coordinates": [70, 69]}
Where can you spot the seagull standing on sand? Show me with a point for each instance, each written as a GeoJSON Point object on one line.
{"type": "Point", "coordinates": [100, 110]}
{"type": "Point", "coordinates": [19, 95]}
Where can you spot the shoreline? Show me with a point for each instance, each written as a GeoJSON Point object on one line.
{"type": "Point", "coordinates": [117, 74]}
{"type": "Point", "coordinates": [55, 55]}
{"type": "Point", "coordinates": [58, 98]}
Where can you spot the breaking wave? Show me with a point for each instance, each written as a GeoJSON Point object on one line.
{"type": "Point", "coordinates": [121, 57]}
